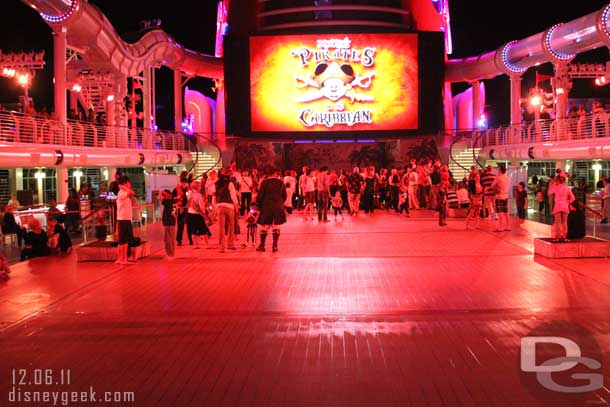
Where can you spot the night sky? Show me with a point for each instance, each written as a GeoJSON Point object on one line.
{"type": "Point", "coordinates": [476, 26]}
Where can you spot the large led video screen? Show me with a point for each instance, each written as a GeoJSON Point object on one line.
{"type": "Point", "coordinates": [334, 82]}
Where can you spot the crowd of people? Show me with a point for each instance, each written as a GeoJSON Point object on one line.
{"type": "Point", "coordinates": [232, 199]}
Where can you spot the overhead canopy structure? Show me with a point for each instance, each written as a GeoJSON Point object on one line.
{"type": "Point", "coordinates": [90, 32]}
{"type": "Point", "coordinates": [559, 43]}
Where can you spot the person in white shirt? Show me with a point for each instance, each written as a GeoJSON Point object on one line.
{"type": "Point", "coordinates": [226, 203]}
{"type": "Point", "coordinates": [196, 213]}
{"type": "Point", "coordinates": [563, 198]}
{"type": "Point", "coordinates": [413, 179]}
{"type": "Point", "coordinates": [14, 202]}
{"type": "Point", "coordinates": [245, 188]}
{"type": "Point", "coordinates": [290, 183]}
{"type": "Point", "coordinates": [462, 196]}
{"type": "Point", "coordinates": [124, 217]}
{"type": "Point", "coordinates": [309, 191]}
{"type": "Point", "coordinates": [500, 186]}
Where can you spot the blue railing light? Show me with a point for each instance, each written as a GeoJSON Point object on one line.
{"type": "Point", "coordinates": [303, 141]}
{"type": "Point", "coordinates": [346, 141]}
{"type": "Point", "coordinates": [366, 141]}
{"type": "Point", "coordinates": [324, 141]}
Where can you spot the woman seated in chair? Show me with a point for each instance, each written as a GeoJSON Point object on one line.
{"type": "Point", "coordinates": [9, 225]}
{"type": "Point", "coordinates": [36, 241]}
{"type": "Point", "coordinates": [58, 236]}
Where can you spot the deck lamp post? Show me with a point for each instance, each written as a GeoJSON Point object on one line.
{"type": "Point", "coordinates": [40, 176]}
{"type": "Point", "coordinates": [77, 175]}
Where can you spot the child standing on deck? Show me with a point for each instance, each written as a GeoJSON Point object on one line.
{"type": "Point", "coordinates": [403, 201]}
{"type": "Point", "coordinates": [169, 222]}
{"type": "Point", "coordinates": [442, 205]}
{"type": "Point", "coordinates": [337, 203]}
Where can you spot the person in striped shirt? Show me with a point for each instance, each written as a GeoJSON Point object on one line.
{"type": "Point", "coordinates": [487, 179]}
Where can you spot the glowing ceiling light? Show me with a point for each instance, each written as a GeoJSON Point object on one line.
{"type": "Point", "coordinates": [23, 79]}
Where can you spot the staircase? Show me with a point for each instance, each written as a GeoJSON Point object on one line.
{"type": "Point", "coordinates": [463, 159]}
{"type": "Point", "coordinates": [92, 96]}
{"type": "Point", "coordinates": [205, 161]}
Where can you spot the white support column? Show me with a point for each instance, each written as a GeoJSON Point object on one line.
{"type": "Point", "coordinates": [59, 73]}
{"type": "Point", "coordinates": [111, 121]}
{"type": "Point", "coordinates": [19, 179]}
{"type": "Point", "coordinates": [219, 122]}
{"type": "Point", "coordinates": [561, 88]}
{"type": "Point", "coordinates": [476, 104]}
{"type": "Point", "coordinates": [61, 174]}
{"type": "Point", "coordinates": [12, 177]}
{"type": "Point", "coordinates": [153, 94]}
{"type": "Point", "coordinates": [178, 113]}
{"type": "Point", "coordinates": [515, 100]}
{"type": "Point", "coordinates": [146, 103]}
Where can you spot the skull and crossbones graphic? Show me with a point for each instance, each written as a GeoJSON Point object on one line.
{"type": "Point", "coordinates": [334, 81]}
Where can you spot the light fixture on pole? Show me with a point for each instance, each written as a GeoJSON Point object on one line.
{"type": "Point", "coordinates": [77, 175]}
{"type": "Point", "coordinates": [40, 175]}
{"type": "Point", "coordinates": [24, 80]}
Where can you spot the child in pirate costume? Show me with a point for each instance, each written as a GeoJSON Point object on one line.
{"type": "Point", "coordinates": [251, 226]}
{"type": "Point", "coordinates": [337, 203]}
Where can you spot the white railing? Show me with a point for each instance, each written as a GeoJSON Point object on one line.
{"type": "Point", "coordinates": [20, 128]}
{"type": "Point", "coordinates": [592, 125]}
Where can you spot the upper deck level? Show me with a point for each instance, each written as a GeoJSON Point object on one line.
{"type": "Point", "coordinates": [29, 140]}
{"type": "Point", "coordinates": [586, 137]}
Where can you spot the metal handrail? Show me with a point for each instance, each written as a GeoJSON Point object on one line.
{"type": "Point", "coordinates": [218, 159]}
{"type": "Point", "coordinates": [594, 212]}
{"type": "Point", "coordinates": [589, 126]}
{"type": "Point", "coordinates": [459, 137]}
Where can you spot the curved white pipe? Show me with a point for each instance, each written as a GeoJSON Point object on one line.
{"type": "Point", "coordinates": [559, 43]}
{"type": "Point", "coordinates": [84, 20]}
{"type": "Point", "coordinates": [17, 155]}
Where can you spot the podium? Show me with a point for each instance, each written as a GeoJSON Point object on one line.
{"type": "Point", "coordinates": [577, 248]}
{"type": "Point", "coordinates": [106, 250]}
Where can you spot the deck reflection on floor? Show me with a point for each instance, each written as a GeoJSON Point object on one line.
{"type": "Point", "coordinates": [374, 311]}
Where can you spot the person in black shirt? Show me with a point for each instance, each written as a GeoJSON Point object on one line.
{"type": "Point", "coordinates": [169, 221]}
{"type": "Point", "coordinates": [72, 217]}
{"type": "Point", "coordinates": [58, 235]}
{"type": "Point", "coordinates": [435, 181]}
{"type": "Point", "coordinates": [521, 200]}
{"type": "Point", "coordinates": [36, 241]}
{"type": "Point", "coordinates": [9, 225]}
{"type": "Point", "coordinates": [179, 194]}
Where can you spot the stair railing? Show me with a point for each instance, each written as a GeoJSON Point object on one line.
{"type": "Point", "coordinates": [459, 137]}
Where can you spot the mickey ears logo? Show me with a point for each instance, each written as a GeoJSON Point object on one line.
{"type": "Point", "coordinates": [324, 71]}
{"type": "Point", "coordinates": [333, 81]}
